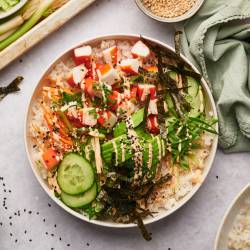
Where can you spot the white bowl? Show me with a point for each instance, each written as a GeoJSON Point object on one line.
{"type": "Point", "coordinates": [221, 242]}
{"type": "Point", "coordinates": [183, 17]}
{"type": "Point", "coordinates": [162, 214]}
{"type": "Point", "coordinates": [11, 11]}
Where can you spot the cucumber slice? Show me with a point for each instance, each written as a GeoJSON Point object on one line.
{"type": "Point", "coordinates": [75, 175]}
{"type": "Point", "coordinates": [194, 97]}
{"type": "Point", "coordinates": [80, 200]}
{"type": "Point", "coordinates": [137, 119]}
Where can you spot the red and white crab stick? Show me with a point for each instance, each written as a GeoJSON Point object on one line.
{"type": "Point", "coordinates": [140, 50]}
{"type": "Point", "coordinates": [110, 55]}
{"type": "Point", "coordinates": [77, 75]}
{"type": "Point", "coordinates": [82, 55]}
{"type": "Point", "coordinates": [130, 66]}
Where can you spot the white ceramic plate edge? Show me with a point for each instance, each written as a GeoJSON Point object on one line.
{"type": "Point", "coordinates": [164, 214]}
{"type": "Point", "coordinates": [237, 201]}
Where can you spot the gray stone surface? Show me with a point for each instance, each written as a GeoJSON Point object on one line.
{"type": "Point", "coordinates": [193, 227]}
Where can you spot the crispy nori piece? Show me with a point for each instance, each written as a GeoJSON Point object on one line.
{"type": "Point", "coordinates": [11, 88]}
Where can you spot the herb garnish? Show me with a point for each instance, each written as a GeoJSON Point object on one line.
{"type": "Point", "coordinates": [184, 134]}
{"type": "Point", "coordinates": [67, 98]}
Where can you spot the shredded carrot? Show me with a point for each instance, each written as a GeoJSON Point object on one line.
{"type": "Point", "coordinates": [66, 141]}
{"type": "Point", "coordinates": [68, 91]}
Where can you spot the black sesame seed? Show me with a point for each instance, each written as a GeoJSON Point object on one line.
{"type": "Point", "coordinates": [217, 177]}
{"type": "Point", "coordinates": [10, 217]}
{"type": "Point", "coordinates": [55, 225]}
{"type": "Point", "coordinates": [9, 191]}
{"type": "Point", "coordinates": [1, 223]}
{"type": "Point", "coordinates": [60, 238]}
{"type": "Point", "coordinates": [43, 220]}
{"type": "Point", "coordinates": [87, 244]}
{"type": "Point", "coordinates": [25, 231]}
{"type": "Point", "coordinates": [46, 233]}
{"type": "Point", "coordinates": [4, 184]}
{"type": "Point", "coordinates": [52, 235]}
{"type": "Point", "coordinates": [30, 240]}
{"type": "Point", "coordinates": [68, 245]}
{"type": "Point", "coordinates": [15, 240]}
{"type": "Point", "coordinates": [37, 213]}
{"type": "Point", "coordinates": [30, 212]}
{"type": "Point", "coordinates": [49, 204]}
{"type": "Point", "coordinates": [24, 210]}
{"type": "Point", "coordinates": [11, 234]}
{"type": "Point", "coordinates": [10, 223]}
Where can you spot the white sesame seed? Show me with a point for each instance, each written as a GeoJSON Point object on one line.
{"type": "Point", "coordinates": [168, 8]}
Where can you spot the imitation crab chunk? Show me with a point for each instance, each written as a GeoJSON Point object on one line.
{"type": "Point", "coordinates": [140, 50]}
{"type": "Point", "coordinates": [77, 75]}
{"type": "Point", "coordinates": [130, 66]}
{"type": "Point", "coordinates": [110, 55]}
{"type": "Point", "coordinates": [82, 55]}
{"type": "Point", "coordinates": [107, 74]}
{"type": "Point", "coordinates": [146, 89]}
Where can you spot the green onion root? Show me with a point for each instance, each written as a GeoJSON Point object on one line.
{"type": "Point", "coordinates": [11, 24]}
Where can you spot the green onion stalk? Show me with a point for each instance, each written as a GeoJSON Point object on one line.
{"type": "Point", "coordinates": [42, 8]}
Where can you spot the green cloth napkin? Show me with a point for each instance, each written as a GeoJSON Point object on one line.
{"type": "Point", "coordinates": [217, 41]}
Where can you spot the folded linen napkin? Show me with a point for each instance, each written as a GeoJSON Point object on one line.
{"type": "Point", "coordinates": [217, 41]}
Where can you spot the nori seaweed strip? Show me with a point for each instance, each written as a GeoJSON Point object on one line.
{"type": "Point", "coordinates": [180, 65]}
{"type": "Point", "coordinates": [165, 79]}
{"type": "Point", "coordinates": [123, 199]}
{"type": "Point", "coordinates": [185, 72]}
{"type": "Point", "coordinates": [11, 88]}
{"type": "Point", "coordinates": [163, 180]}
{"type": "Point", "coordinates": [146, 235]}
{"type": "Point", "coordinates": [163, 90]}
{"type": "Point", "coordinates": [177, 38]}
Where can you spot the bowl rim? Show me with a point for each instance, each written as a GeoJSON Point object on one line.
{"type": "Point", "coordinates": [12, 10]}
{"type": "Point", "coordinates": [193, 10]}
{"type": "Point", "coordinates": [182, 201]}
{"type": "Point", "coordinates": [233, 203]}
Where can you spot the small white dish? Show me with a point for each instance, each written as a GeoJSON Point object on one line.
{"type": "Point", "coordinates": [210, 107]}
{"type": "Point", "coordinates": [12, 10]}
{"type": "Point", "coordinates": [221, 242]}
{"type": "Point", "coordinates": [183, 17]}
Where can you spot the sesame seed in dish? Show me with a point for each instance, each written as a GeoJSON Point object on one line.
{"type": "Point", "coordinates": [168, 8]}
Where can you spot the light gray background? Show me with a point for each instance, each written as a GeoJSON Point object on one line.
{"type": "Point", "coordinates": [193, 227]}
